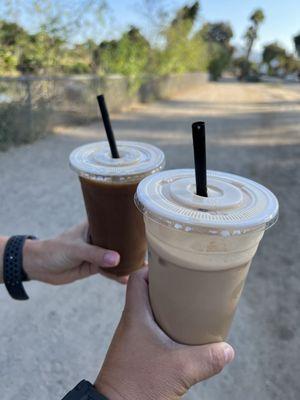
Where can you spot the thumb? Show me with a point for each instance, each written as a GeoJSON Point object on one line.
{"type": "Point", "coordinates": [97, 255]}
{"type": "Point", "coordinates": [205, 361]}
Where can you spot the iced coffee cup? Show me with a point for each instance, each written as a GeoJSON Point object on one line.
{"type": "Point", "coordinates": [108, 186]}
{"type": "Point", "coordinates": [201, 248]}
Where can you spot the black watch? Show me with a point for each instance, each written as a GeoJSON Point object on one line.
{"type": "Point", "coordinates": [13, 272]}
{"type": "Point", "coordinates": [84, 391]}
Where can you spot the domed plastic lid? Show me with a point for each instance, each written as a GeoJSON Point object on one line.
{"type": "Point", "coordinates": [136, 160]}
{"type": "Point", "coordinates": [234, 204]}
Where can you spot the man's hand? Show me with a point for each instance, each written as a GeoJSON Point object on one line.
{"type": "Point", "coordinates": [143, 363]}
{"type": "Point", "coordinates": [67, 258]}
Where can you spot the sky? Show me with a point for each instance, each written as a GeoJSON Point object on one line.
{"type": "Point", "coordinates": [281, 24]}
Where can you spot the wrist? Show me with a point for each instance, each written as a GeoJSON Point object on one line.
{"type": "Point", "coordinates": [33, 262]}
{"type": "Point", "coordinates": [3, 241]}
{"type": "Point", "coordinates": [107, 390]}
{"type": "Point", "coordinates": [119, 390]}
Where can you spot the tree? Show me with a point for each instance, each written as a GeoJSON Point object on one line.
{"type": "Point", "coordinates": [297, 44]}
{"type": "Point", "coordinates": [273, 55]}
{"type": "Point", "coordinates": [11, 33]}
{"type": "Point", "coordinates": [186, 13]}
{"type": "Point", "coordinates": [183, 51]}
{"type": "Point", "coordinates": [279, 62]}
{"type": "Point", "coordinates": [290, 64]}
{"type": "Point", "coordinates": [218, 36]}
{"type": "Point", "coordinates": [11, 36]}
{"type": "Point", "coordinates": [182, 24]}
{"type": "Point", "coordinates": [41, 53]}
{"type": "Point", "coordinates": [251, 35]}
{"type": "Point", "coordinates": [63, 18]}
{"type": "Point", "coordinates": [219, 32]}
{"type": "Point", "coordinates": [128, 56]}
{"type": "Point", "coordinates": [241, 64]}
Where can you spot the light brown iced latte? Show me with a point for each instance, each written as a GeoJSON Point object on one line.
{"type": "Point", "coordinates": [200, 249]}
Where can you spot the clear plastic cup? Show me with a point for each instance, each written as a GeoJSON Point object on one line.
{"type": "Point", "coordinates": [201, 248]}
{"type": "Point", "coordinates": [108, 186]}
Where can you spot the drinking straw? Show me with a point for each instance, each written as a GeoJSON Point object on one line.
{"type": "Point", "coordinates": [108, 127]}
{"type": "Point", "coordinates": [198, 129]}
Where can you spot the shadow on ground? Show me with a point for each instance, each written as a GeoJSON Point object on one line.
{"type": "Point", "coordinates": [258, 138]}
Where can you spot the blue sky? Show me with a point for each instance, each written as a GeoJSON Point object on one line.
{"type": "Point", "coordinates": [282, 18]}
{"type": "Point", "coordinates": [281, 23]}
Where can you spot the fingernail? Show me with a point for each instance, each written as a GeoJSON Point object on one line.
{"type": "Point", "coordinates": [229, 354]}
{"type": "Point", "coordinates": [110, 259]}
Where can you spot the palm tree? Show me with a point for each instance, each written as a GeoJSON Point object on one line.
{"type": "Point", "coordinates": [251, 35]}
{"type": "Point", "coordinates": [297, 44]}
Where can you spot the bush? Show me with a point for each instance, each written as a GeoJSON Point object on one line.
{"type": "Point", "coordinates": [77, 68]}
{"type": "Point", "coordinates": [220, 59]}
{"type": "Point", "coordinates": [19, 125]}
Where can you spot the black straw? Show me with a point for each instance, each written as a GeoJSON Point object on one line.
{"type": "Point", "coordinates": [200, 157]}
{"type": "Point", "coordinates": [108, 128]}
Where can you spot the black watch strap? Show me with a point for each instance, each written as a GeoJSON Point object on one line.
{"type": "Point", "coordinates": [13, 272]}
{"type": "Point", "coordinates": [84, 391]}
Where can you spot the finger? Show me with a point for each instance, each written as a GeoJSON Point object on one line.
{"type": "Point", "coordinates": [137, 297]}
{"type": "Point", "coordinates": [97, 255]}
{"type": "Point", "coordinates": [123, 279]}
{"type": "Point", "coordinates": [202, 362]}
{"type": "Point", "coordinates": [120, 279]}
{"type": "Point", "coordinates": [84, 270]}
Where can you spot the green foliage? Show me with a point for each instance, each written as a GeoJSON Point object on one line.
{"type": "Point", "coordinates": [241, 64]}
{"type": "Point", "coordinates": [28, 53]}
{"type": "Point", "coordinates": [256, 19]}
{"type": "Point", "coordinates": [297, 44]}
{"type": "Point", "coordinates": [129, 56]}
{"type": "Point", "coordinates": [219, 32]}
{"type": "Point", "coordinates": [278, 61]}
{"type": "Point", "coordinates": [290, 64]}
{"type": "Point", "coordinates": [273, 52]}
{"type": "Point", "coordinates": [220, 60]}
{"type": "Point", "coordinates": [186, 16]}
{"type": "Point", "coordinates": [21, 124]}
{"type": "Point", "coordinates": [180, 48]}
{"type": "Point", "coordinates": [217, 36]}
{"type": "Point", "coordinates": [8, 61]}
{"type": "Point", "coordinates": [183, 52]}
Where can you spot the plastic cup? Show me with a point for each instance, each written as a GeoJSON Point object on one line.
{"type": "Point", "coordinates": [201, 248]}
{"type": "Point", "coordinates": [108, 186]}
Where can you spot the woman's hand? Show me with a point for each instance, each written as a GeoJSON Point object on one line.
{"type": "Point", "coordinates": [143, 363]}
{"type": "Point", "coordinates": [67, 258]}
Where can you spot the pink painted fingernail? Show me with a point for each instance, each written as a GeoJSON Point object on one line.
{"type": "Point", "coordinates": [110, 259]}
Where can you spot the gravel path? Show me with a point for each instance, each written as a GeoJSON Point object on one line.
{"type": "Point", "coordinates": [61, 335]}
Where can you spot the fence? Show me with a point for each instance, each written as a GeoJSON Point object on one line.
{"type": "Point", "coordinates": [30, 106]}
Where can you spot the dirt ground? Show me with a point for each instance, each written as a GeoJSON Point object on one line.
{"type": "Point", "coordinates": [61, 335]}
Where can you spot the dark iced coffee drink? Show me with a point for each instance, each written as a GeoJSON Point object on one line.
{"type": "Point", "coordinates": [108, 187]}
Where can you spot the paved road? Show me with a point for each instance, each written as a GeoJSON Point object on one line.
{"type": "Point", "coordinates": [61, 335]}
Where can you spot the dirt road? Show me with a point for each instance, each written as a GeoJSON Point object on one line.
{"type": "Point", "coordinates": [61, 335]}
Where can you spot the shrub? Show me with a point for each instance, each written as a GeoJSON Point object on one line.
{"type": "Point", "coordinates": [19, 124]}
